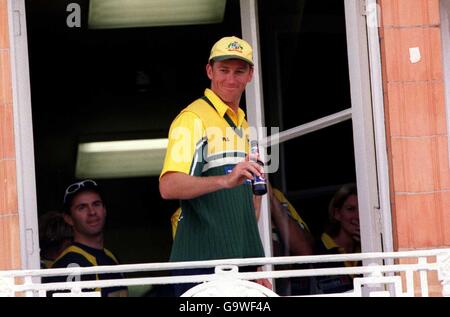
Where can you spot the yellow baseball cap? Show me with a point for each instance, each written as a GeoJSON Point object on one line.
{"type": "Point", "coordinates": [231, 47]}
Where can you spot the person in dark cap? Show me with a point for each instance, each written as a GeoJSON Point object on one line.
{"type": "Point", "coordinates": [207, 166]}
{"type": "Point", "coordinates": [85, 211]}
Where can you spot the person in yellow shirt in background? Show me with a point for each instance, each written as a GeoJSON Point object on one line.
{"type": "Point", "coordinates": [342, 235]}
{"type": "Point", "coordinates": [290, 233]}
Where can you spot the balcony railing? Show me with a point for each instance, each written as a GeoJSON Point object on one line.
{"type": "Point", "coordinates": [396, 274]}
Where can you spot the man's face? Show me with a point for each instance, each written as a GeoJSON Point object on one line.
{"type": "Point", "coordinates": [87, 214]}
{"type": "Point", "coordinates": [229, 79]}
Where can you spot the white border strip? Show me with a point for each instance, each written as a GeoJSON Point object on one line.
{"type": "Point", "coordinates": [23, 131]}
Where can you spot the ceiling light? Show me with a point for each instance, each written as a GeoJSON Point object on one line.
{"type": "Point", "coordinates": [105, 14]}
{"type": "Point", "coordinates": [118, 159]}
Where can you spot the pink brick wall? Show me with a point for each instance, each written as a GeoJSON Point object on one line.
{"type": "Point", "coordinates": [416, 123]}
{"type": "Point", "coordinates": [9, 217]}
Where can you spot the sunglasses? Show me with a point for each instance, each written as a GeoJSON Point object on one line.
{"type": "Point", "coordinates": [77, 186]}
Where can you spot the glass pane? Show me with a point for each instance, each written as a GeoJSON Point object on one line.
{"type": "Point", "coordinates": [316, 165]}
{"type": "Point", "coordinates": [304, 60]}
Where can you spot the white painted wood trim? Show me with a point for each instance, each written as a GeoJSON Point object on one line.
{"type": "Point", "coordinates": [309, 127]}
{"type": "Point", "coordinates": [255, 105]}
{"type": "Point", "coordinates": [379, 124]}
{"type": "Point", "coordinates": [363, 134]}
{"type": "Point", "coordinates": [23, 132]}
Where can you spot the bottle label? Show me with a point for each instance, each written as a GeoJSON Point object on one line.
{"type": "Point", "coordinates": [259, 180]}
{"type": "Point", "coordinates": [229, 168]}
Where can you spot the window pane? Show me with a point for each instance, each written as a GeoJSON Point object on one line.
{"type": "Point", "coordinates": [304, 60]}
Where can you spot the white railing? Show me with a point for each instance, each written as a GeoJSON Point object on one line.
{"type": "Point", "coordinates": [399, 274]}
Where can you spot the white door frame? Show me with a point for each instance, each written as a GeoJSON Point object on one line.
{"type": "Point", "coordinates": [23, 134]}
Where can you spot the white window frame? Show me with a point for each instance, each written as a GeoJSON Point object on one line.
{"type": "Point", "coordinates": [368, 125]}
{"type": "Point", "coordinates": [255, 105]}
{"type": "Point", "coordinates": [372, 12]}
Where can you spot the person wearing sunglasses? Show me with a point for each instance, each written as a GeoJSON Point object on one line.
{"type": "Point", "coordinates": [85, 211]}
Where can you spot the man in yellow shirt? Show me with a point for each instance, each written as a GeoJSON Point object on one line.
{"type": "Point", "coordinates": [207, 167]}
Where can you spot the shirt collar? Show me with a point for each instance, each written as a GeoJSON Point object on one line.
{"type": "Point", "coordinates": [328, 241]}
{"type": "Point", "coordinates": [222, 107]}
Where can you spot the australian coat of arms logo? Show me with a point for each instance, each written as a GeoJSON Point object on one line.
{"type": "Point", "coordinates": [235, 46]}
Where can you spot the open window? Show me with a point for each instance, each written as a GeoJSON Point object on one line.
{"type": "Point", "coordinates": [321, 81]}
{"type": "Point", "coordinates": [311, 80]}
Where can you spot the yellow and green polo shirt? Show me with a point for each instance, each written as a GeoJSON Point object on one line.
{"type": "Point", "coordinates": [204, 126]}
{"type": "Point", "coordinates": [208, 139]}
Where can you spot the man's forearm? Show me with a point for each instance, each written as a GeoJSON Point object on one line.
{"type": "Point", "coordinates": [175, 185]}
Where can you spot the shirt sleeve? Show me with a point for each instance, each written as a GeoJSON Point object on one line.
{"type": "Point", "coordinates": [292, 212]}
{"type": "Point", "coordinates": [185, 134]}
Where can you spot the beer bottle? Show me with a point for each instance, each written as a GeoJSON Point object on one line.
{"type": "Point", "coordinates": [259, 185]}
